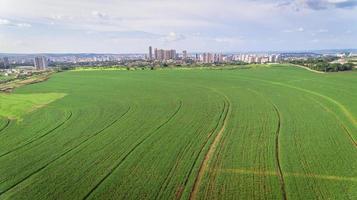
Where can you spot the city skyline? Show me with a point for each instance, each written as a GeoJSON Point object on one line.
{"type": "Point", "coordinates": [38, 26]}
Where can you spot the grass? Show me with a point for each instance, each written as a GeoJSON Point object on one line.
{"type": "Point", "coordinates": [14, 106]}
{"type": "Point", "coordinates": [276, 132]}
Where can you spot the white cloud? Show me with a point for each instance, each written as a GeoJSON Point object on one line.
{"type": "Point", "coordinates": [173, 37]}
{"type": "Point", "coordinates": [4, 22]}
{"type": "Point", "coordinates": [300, 29]}
{"type": "Point", "coordinates": [299, 5]}
{"type": "Point", "coordinates": [24, 25]}
{"type": "Point", "coordinates": [315, 41]}
{"type": "Point", "coordinates": [322, 31]}
{"type": "Point", "coordinates": [100, 15]}
{"type": "Point", "coordinates": [7, 22]}
{"type": "Point", "coordinates": [227, 39]}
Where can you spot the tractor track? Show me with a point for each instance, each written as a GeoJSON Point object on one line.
{"type": "Point", "coordinates": [211, 150]}
{"type": "Point", "coordinates": [343, 126]}
{"type": "Point", "coordinates": [42, 136]}
{"type": "Point", "coordinates": [169, 175]}
{"type": "Point", "coordinates": [178, 196]}
{"type": "Point", "coordinates": [277, 146]}
{"type": "Point", "coordinates": [6, 125]}
{"type": "Point", "coordinates": [341, 107]}
{"type": "Point", "coordinates": [277, 153]}
{"type": "Point", "coordinates": [117, 165]}
{"type": "Point", "coordinates": [63, 154]}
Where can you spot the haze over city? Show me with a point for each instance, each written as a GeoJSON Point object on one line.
{"type": "Point", "coordinates": [39, 26]}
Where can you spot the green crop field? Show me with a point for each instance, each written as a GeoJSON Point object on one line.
{"type": "Point", "coordinates": [268, 132]}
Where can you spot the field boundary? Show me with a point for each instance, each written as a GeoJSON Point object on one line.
{"type": "Point", "coordinates": [8, 87]}
{"type": "Point", "coordinates": [63, 154]}
{"type": "Point", "coordinates": [287, 174]}
{"type": "Point", "coordinates": [117, 165]}
{"type": "Point", "coordinates": [311, 70]}
{"type": "Point", "coordinates": [209, 154]}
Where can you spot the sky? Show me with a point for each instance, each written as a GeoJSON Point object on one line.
{"type": "Point", "coordinates": [130, 26]}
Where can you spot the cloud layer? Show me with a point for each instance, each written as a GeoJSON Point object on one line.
{"type": "Point", "coordinates": [201, 25]}
{"type": "Point", "coordinates": [318, 4]}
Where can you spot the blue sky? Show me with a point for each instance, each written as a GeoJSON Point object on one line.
{"type": "Point", "coordinates": [130, 26]}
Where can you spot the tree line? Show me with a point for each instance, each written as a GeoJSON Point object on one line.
{"type": "Point", "coordinates": [324, 64]}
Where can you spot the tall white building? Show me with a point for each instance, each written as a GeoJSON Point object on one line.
{"type": "Point", "coordinates": [40, 63]}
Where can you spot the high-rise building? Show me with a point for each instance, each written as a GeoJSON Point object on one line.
{"type": "Point", "coordinates": [173, 54]}
{"type": "Point", "coordinates": [203, 58]}
{"type": "Point", "coordinates": [264, 60]}
{"type": "Point", "coordinates": [258, 59]}
{"type": "Point", "coordinates": [150, 53]}
{"type": "Point", "coordinates": [155, 54]}
{"type": "Point", "coordinates": [40, 63]}
{"type": "Point", "coordinates": [219, 58]}
{"type": "Point", "coordinates": [208, 58]}
{"type": "Point", "coordinates": [251, 59]}
{"type": "Point", "coordinates": [6, 62]}
{"type": "Point", "coordinates": [184, 55]}
{"type": "Point", "coordinates": [272, 58]}
{"type": "Point", "coordinates": [277, 58]}
{"type": "Point", "coordinates": [161, 54]}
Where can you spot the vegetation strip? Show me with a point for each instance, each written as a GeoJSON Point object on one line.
{"type": "Point", "coordinates": [209, 154]}
{"type": "Point", "coordinates": [288, 174]}
{"type": "Point", "coordinates": [42, 136]}
{"type": "Point", "coordinates": [63, 154]}
{"type": "Point", "coordinates": [309, 69]}
{"type": "Point", "coordinates": [117, 165]}
{"type": "Point", "coordinates": [13, 84]}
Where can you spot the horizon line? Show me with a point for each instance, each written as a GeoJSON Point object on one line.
{"type": "Point", "coordinates": [193, 52]}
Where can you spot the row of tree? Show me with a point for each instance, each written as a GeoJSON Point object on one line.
{"type": "Point", "coordinates": [324, 64]}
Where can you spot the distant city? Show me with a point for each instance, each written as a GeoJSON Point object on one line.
{"type": "Point", "coordinates": [158, 56]}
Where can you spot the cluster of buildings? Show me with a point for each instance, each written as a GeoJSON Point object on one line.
{"type": "Point", "coordinates": [85, 58]}
{"type": "Point", "coordinates": [251, 58]}
{"type": "Point", "coordinates": [29, 59]}
{"type": "Point", "coordinates": [172, 55]}
{"type": "Point", "coordinates": [39, 63]}
{"type": "Point", "coordinates": [162, 54]}
{"type": "Point", "coordinates": [210, 58]}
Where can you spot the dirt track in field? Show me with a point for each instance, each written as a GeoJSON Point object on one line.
{"type": "Point", "coordinates": [209, 155]}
